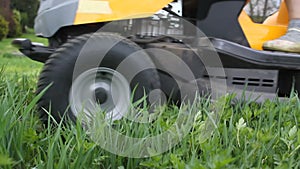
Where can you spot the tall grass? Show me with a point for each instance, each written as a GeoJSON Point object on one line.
{"type": "Point", "coordinates": [249, 135]}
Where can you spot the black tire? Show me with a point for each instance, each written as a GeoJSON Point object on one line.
{"type": "Point", "coordinates": [58, 72]}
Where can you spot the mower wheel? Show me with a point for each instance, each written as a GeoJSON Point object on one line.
{"type": "Point", "coordinates": [81, 81]}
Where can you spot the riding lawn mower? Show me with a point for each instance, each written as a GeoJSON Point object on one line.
{"type": "Point", "coordinates": [76, 81]}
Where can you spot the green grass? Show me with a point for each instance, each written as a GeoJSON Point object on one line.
{"type": "Point", "coordinates": [249, 135]}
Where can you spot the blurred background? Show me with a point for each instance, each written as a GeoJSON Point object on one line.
{"type": "Point", "coordinates": [17, 16]}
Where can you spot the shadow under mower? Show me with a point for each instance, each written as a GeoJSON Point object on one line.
{"type": "Point", "coordinates": [69, 24]}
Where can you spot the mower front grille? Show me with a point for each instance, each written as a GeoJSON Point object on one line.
{"type": "Point", "coordinates": [257, 80]}
{"type": "Point", "coordinates": [253, 82]}
{"type": "Point", "coordinates": [253, 79]}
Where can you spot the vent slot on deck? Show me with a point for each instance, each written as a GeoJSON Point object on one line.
{"type": "Point", "coordinates": [253, 79]}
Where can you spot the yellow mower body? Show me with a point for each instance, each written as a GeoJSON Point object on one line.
{"type": "Point", "coordinates": [93, 11]}
{"type": "Point", "coordinates": [273, 27]}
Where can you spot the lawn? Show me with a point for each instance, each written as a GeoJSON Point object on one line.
{"type": "Point", "coordinates": [247, 135]}
{"type": "Point", "coordinates": [14, 62]}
